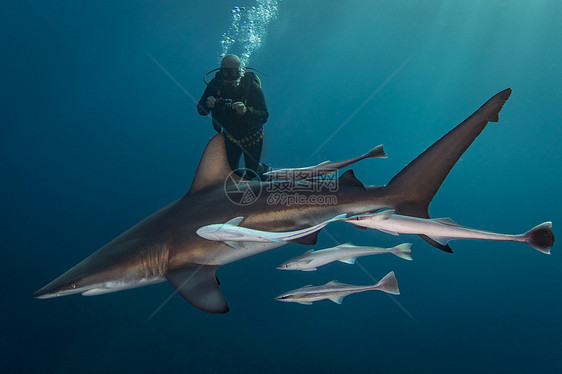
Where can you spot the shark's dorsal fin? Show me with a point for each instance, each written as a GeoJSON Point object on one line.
{"type": "Point", "coordinates": [198, 285]}
{"type": "Point", "coordinates": [349, 179]}
{"type": "Point", "coordinates": [213, 167]}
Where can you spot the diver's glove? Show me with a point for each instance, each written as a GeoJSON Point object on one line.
{"type": "Point", "coordinates": [211, 102]}
{"type": "Point", "coordinates": [239, 107]}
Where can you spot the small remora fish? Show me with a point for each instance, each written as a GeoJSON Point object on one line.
{"type": "Point", "coordinates": [336, 291]}
{"type": "Point", "coordinates": [347, 253]}
{"type": "Point", "coordinates": [323, 168]}
{"type": "Point", "coordinates": [231, 233]}
{"type": "Point", "coordinates": [442, 230]}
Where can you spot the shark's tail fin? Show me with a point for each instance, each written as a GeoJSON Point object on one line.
{"type": "Point", "coordinates": [403, 251]}
{"type": "Point", "coordinates": [414, 187]}
{"type": "Point", "coordinates": [388, 284]}
{"type": "Point", "coordinates": [540, 237]}
{"type": "Point", "coordinates": [377, 152]}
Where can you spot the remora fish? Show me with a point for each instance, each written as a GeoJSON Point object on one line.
{"type": "Point", "coordinates": [336, 291]}
{"type": "Point", "coordinates": [165, 246]}
{"type": "Point", "coordinates": [323, 168]}
{"type": "Point", "coordinates": [230, 232]}
{"type": "Point", "coordinates": [442, 230]}
{"type": "Point", "coordinates": [347, 253]}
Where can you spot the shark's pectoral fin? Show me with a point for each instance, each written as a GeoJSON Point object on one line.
{"type": "Point", "coordinates": [199, 286]}
{"type": "Point", "coordinates": [310, 239]}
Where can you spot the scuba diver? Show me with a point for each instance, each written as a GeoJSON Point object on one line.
{"type": "Point", "coordinates": [238, 110]}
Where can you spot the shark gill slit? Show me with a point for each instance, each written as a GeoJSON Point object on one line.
{"type": "Point", "coordinates": [154, 261]}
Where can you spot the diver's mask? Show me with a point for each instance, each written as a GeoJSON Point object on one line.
{"type": "Point", "coordinates": [230, 74]}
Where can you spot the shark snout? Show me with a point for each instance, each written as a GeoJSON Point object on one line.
{"type": "Point", "coordinates": [56, 288]}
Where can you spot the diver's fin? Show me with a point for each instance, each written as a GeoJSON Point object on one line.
{"type": "Point", "coordinates": [349, 179]}
{"type": "Point", "coordinates": [213, 168]}
{"type": "Point", "coordinates": [413, 188]}
{"type": "Point", "coordinates": [198, 285]}
{"type": "Point", "coordinates": [310, 239]}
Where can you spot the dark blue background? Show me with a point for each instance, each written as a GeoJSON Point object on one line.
{"type": "Point", "coordinates": [95, 137]}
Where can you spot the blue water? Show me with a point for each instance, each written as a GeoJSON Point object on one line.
{"type": "Point", "coordinates": [95, 137]}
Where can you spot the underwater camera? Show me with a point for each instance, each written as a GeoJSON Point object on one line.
{"type": "Point", "coordinates": [223, 104]}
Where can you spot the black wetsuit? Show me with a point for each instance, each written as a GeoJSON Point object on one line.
{"type": "Point", "coordinates": [242, 133]}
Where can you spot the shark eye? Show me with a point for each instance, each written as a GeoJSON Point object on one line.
{"type": "Point", "coordinates": [73, 286]}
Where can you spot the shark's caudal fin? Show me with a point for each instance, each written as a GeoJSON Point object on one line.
{"type": "Point", "coordinates": [415, 186]}
{"type": "Point", "coordinates": [213, 168]}
{"type": "Point", "coordinates": [540, 237]}
{"type": "Point", "coordinates": [199, 285]}
{"type": "Point", "coordinates": [388, 284]}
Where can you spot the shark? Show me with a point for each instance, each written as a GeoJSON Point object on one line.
{"type": "Point", "coordinates": [336, 291]}
{"type": "Point", "coordinates": [347, 253]}
{"type": "Point", "coordinates": [442, 230]}
{"type": "Point", "coordinates": [165, 246]}
{"type": "Point", "coordinates": [324, 168]}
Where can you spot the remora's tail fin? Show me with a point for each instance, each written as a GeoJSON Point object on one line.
{"type": "Point", "coordinates": [388, 284]}
{"type": "Point", "coordinates": [403, 251]}
{"type": "Point", "coordinates": [415, 186]}
{"type": "Point", "coordinates": [540, 237]}
{"type": "Point", "coordinates": [377, 152]}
